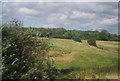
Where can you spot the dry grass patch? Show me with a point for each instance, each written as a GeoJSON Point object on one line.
{"type": "Point", "coordinates": [60, 55]}
{"type": "Point", "coordinates": [108, 45]}
{"type": "Point", "coordinates": [112, 76]}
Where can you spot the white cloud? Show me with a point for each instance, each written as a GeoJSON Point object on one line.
{"type": "Point", "coordinates": [109, 21]}
{"type": "Point", "coordinates": [28, 11]}
{"type": "Point", "coordinates": [78, 15]}
{"type": "Point", "coordinates": [61, 0]}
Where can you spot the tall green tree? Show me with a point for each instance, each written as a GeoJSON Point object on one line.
{"type": "Point", "coordinates": [104, 35]}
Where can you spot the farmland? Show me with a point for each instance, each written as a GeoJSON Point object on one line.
{"type": "Point", "coordinates": [56, 40]}
{"type": "Point", "coordinates": [74, 58]}
{"type": "Point", "coordinates": [56, 58]}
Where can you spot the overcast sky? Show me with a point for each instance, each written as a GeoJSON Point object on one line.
{"type": "Point", "coordinates": [69, 15]}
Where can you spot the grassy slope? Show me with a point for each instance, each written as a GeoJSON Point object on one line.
{"type": "Point", "coordinates": [73, 57]}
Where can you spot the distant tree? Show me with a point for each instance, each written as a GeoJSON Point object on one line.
{"type": "Point", "coordinates": [104, 35]}
{"type": "Point", "coordinates": [71, 34]}
{"type": "Point", "coordinates": [57, 32]}
{"type": "Point", "coordinates": [67, 35]}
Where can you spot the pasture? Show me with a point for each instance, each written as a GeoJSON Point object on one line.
{"type": "Point", "coordinates": [76, 59]}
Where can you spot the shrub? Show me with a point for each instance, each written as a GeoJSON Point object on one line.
{"type": "Point", "coordinates": [77, 39]}
{"type": "Point", "coordinates": [23, 56]}
{"type": "Point", "coordinates": [92, 42]}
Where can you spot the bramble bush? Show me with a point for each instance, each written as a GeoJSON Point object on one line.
{"type": "Point", "coordinates": [24, 57]}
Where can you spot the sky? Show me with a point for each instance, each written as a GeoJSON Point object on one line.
{"type": "Point", "coordinates": [59, 0]}
{"type": "Point", "coordinates": [69, 15]}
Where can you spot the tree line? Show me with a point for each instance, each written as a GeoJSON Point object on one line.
{"type": "Point", "coordinates": [73, 34]}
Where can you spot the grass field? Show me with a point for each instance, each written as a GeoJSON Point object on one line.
{"type": "Point", "coordinates": [74, 58]}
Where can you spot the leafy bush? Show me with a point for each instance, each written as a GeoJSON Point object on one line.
{"type": "Point", "coordinates": [24, 57]}
{"type": "Point", "coordinates": [77, 39]}
{"type": "Point", "coordinates": [92, 42]}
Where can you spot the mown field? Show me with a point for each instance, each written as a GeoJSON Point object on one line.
{"type": "Point", "coordinates": [79, 60]}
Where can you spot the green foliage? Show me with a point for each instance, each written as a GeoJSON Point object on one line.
{"type": "Point", "coordinates": [67, 35]}
{"type": "Point", "coordinates": [92, 42]}
{"type": "Point", "coordinates": [71, 34]}
{"type": "Point", "coordinates": [24, 57]}
{"type": "Point", "coordinates": [104, 35]}
{"type": "Point", "coordinates": [17, 58]}
{"type": "Point", "coordinates": [77, 39]}
{"type": "Point", "coordinates": [14, 22]}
